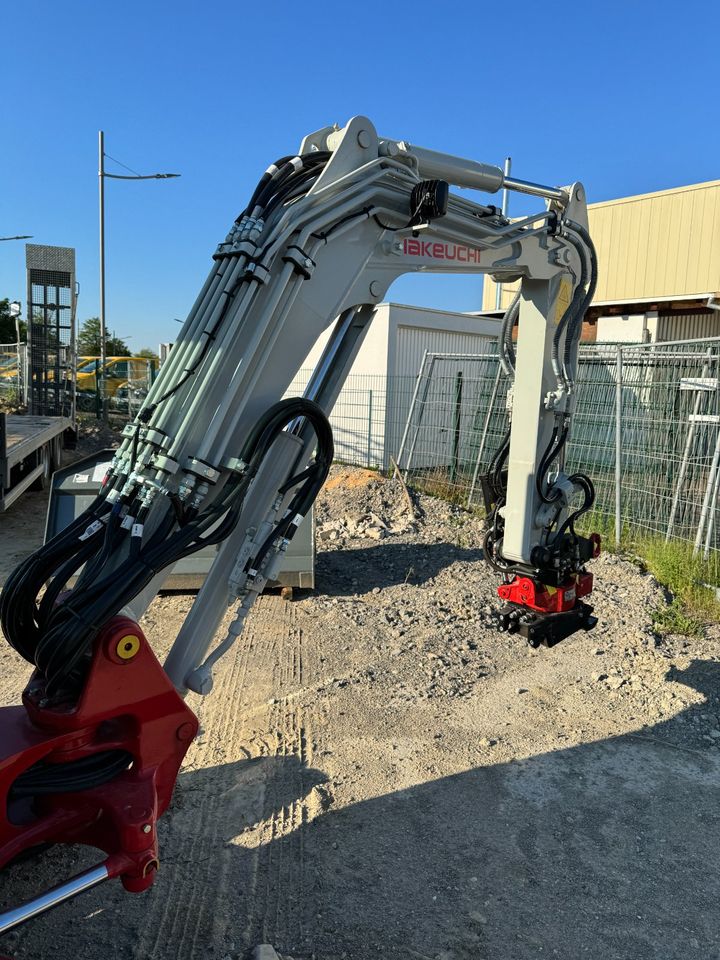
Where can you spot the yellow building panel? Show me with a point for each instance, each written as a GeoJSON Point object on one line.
{"type": "Point", "coordinates": [652, 246]}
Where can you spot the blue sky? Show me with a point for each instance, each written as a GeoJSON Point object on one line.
{"type": "Point", "coordinates": [623, 96]}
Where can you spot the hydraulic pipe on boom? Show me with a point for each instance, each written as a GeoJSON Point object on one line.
{"type": "Point", "coordinates": [215, 456]}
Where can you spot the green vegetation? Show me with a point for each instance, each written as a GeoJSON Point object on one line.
{"type": "Point", "coordinates": [8, 330]}
{"type": "Point", "coordinates": [147, 353]}
{"type": "Point", "coordinates": [11, 402]}
{"type": "Point", "coordinates": [694, 602]}
{"type": "Point", "coordinates": [88, 342]}
{"type": "Point", "coordinates": [689, 580]}
{"type": "Point", "coordinates": [435, 483]}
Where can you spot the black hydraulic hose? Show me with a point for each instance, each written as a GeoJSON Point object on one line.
{"type": "Point", "coordinates": [264, 180]}
{"type": "Point", "coordinates": [303, 166]}
{"type": "Point", "coordinates": [62, 651]}
{"type": "Point", "coordinates": [575, 330]}
{"type": "Point", "coordinates": [314, 478]}
{"type": "Point", "coordinates": [17, 603]}
{"type": "Point", "coordinates": [507, 349]}
{"type": "Point", "coordinates": [586, 483]}
{"type": "Point", "coordinates": [488, 548]}
{"type": "Point", "coordinates": [552, 452]}
{"type": "Point", "coordinates": [45, 779]}
{"type": "Point", "coordinates": [64, 640]}
{"type": "Point", "coordinates": [498, 461]}
{"type": "Point", "coordinates": [571, 311]}
{"type": "Point", "coordinates": [60, 579]}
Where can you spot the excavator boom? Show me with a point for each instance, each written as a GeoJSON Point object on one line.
{"type": "Point", "coordinates": [216, 456]}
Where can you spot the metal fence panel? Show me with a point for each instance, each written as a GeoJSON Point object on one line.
{"type": "Point", "coordinates": [659, 475]}
{"type": "Point", "coordinates": [13, 372]}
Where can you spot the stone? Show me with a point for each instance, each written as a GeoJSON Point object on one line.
{"type": "Point", "coordinates": [264, 951]}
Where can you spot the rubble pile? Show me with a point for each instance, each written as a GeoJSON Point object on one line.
{"type": "Point", "coordinates": [356, 505]}
{"type": "Point", "coordinates": [362, 505]}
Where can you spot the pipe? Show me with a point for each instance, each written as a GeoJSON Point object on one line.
{"type": "Point", "coordinates": [714, 467]}
{"type": "Point", "coordinates": [505, 207]}
{"type": "Point", "coordinates": [52, 898]}
{"type": "Point", "coordinates": [536, 190]}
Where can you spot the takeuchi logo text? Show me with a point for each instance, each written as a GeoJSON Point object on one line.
{"type": "Point", "coordinates": [440, 251]}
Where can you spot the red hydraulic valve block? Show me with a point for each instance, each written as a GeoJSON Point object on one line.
{"type": "Point", "coordinates": [130, 715]}
{"type": "Point", "coordinates": [545, 599]}
{"type": "Point", "coordinates": [546, 614]}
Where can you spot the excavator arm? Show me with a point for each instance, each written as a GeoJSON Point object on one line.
{"type": "Point", "coordinates": [216, 456]}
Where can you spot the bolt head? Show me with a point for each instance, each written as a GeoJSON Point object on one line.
{"type": "Point", "coordinates": [375, 289]}
{"type": "Point", "coordinates": [185, 732]}
{"type": "Point", "coordinates": [363, 138]}
{"type": "Point", "coordinates": [146, 828]}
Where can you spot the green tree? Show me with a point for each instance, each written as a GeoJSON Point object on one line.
{"type": "Point", "coordinates": [147, 353]}
{"type": "Point", "coordinates": [88, 342]}
{"type": "Point", "coordinates": [8, 332]}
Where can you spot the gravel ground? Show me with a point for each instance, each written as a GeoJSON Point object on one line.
{"type": "Point", "coordinates": [380, 774]}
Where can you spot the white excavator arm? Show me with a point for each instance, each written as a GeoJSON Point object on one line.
{"type": "Point", "coordinates": [215, 455]}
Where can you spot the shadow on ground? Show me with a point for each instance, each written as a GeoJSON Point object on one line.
{"type": "Point", "coordinates": [600, 851]}
{"type": "Point", "coordinates": [345, 572]}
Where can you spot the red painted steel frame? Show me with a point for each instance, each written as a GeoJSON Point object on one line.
{"type": "Point", "coordinates": [128, 704]}
{"type": "Point", "coordinates": [534, 595]}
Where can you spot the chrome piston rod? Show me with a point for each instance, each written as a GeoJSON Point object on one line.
{"type": "Point", "coordinates": [52, 898]}
{"type": "Point", "coordinates": [536, 189]}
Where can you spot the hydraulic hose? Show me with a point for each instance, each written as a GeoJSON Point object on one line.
{"type": "Point", "coordinates": [575, 330]}
{"type": "Point", "coordinates": [507, 350]}
{"type": "Point", "coordinates": [568, 317]}
{"type": "Point", "coordinates": [61, 639]}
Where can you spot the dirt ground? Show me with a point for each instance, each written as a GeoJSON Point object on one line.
{"type": "Point", "coordinates": [381, 774]}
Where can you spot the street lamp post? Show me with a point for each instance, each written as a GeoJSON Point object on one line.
{"type": "Point", "coordinates": [101, 188]}
{"type": "Point", "coordinates": [102, 174]}
{"type": "Point", "coordinates": [505, 200]}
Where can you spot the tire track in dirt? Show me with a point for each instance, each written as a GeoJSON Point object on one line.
{"type": "Point", "coordinates": [176, 925]}
{"type": "Point", "coordinates": [227, 879]}
{"type": "Point", "coordinates": [278, 917]}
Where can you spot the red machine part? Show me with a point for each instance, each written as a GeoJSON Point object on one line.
{"type": "Point", "coordinates": [543, 598]}
{"type": "Point", "coordinates": [127, 704]}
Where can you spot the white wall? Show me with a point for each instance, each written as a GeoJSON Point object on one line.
{"type": "Point", "coordinates": [369, 416]}
{"type": "Point", "coordinates": [372, 357]}
{"type": "Point", "coordinates": [628, 328]}
{"type": "Point", "coordinates": [417, 329]}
